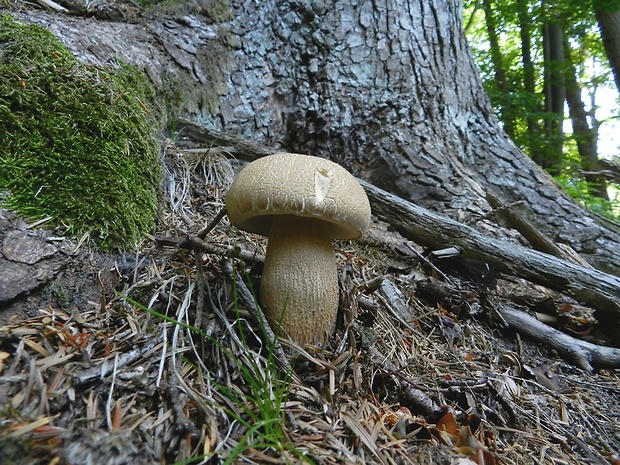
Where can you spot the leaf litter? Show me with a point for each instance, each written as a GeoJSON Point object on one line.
{"type": "Point", "coordinates": [178, 366]}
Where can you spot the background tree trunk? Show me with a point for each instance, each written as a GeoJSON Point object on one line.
{"type": "Point", "coordinates": [608, 19]}
{"type": "Point", "coordinates": [529, 83]}
{"type": "Point", "coordinates": [555, 96]}
{"type": "Point", "coordinates": [387, 89]}
{"type": "Point", "coordinates": [507, 117]}
{"type": "Point", "coordinates": [585, 136]}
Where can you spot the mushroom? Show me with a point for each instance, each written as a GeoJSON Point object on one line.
{"type": "Point", "coordinates": [302, 203]}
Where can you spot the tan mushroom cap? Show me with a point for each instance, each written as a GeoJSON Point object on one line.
{"type": "Point", "coordinates": [302, 185]}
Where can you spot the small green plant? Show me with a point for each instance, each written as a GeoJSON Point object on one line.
{"type": "Point", "coordinates": [269, 389]}
{"type": "Point", "coordinates": [78, 143]}
{"type": "Point", "coordinates": [259, 407]}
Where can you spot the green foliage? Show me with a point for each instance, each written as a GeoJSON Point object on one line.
{"type": "Point", "coordinates": [78, 143]}
{"type": "Point", "coordinates": [578, 189]}
{"type": "Point", "coordinates": [520, 107]}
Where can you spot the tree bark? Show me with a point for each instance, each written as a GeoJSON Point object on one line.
{"type": "Point", "coordinates": [387, 89]}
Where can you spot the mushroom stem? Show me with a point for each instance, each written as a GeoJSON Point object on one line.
{"type": "Point", "coordinates": [299, 286]}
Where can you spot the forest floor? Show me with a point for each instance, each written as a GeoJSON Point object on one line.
{"type": "Point", "coordinates": [159, 356]}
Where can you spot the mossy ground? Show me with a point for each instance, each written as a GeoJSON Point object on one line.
{"type": "Point", "coordinates": [78, 143]}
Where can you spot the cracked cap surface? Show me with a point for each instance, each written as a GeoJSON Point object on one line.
{"type": "Point", "coordinates": [302, 185]}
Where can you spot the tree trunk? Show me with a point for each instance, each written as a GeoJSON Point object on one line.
{"type": "Point", "coordinates": [555, 96]}
{"type": "Point", "coordinates": [529, 83]}
{"type": "Point", "coordinates": [387, 89]}
{"type": "Point", "coordinates": [608, 19]}
{"type": "Point", "coordinates": [507, 116]}
{"type": "Point", "coordinates": [585, 136]}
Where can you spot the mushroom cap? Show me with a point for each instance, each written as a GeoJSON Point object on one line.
{"type": "Point", "coordinates": [302, 185]}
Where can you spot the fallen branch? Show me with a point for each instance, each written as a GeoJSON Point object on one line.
{"type": "Point", "coordinates": [52, 5]}
{"type": "Point", "coordinates": [240, 148]}
{"type": "Point", "coordinates": [530, 232]}
{"type": "Point", "coordinates": [583, 353]}
{"type": "Point", "coordinates": [592, 287]}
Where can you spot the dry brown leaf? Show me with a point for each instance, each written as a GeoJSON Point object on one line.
{"type": "Point", "coordinates": [448, 424]}
{"type": "Point", "coordinates": [467, 444]}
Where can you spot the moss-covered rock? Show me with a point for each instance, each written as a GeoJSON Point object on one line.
{"type": "Point", "coordinates": [77, 143]}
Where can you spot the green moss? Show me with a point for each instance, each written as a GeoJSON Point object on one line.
{"type": "Point", "coordinates": [218, 10]}
{"type": "Point", "coordinates": [78, 143]}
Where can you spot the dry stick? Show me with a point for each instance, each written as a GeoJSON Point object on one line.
{"type": "Point", "coordinates": [212, 224]}
{"type": "Point", "coordinates": [533, 235]}
{"type": "Point", "coordinates": [200, 283]}
{"type": "Point", "coordinates": [239, 147]}
{"type": "Point", "coordinates": [429, 264]}
{"type": "Point", "coordinates": [583, 353]}
{"type": "Point", "coordinates": [222, 250]}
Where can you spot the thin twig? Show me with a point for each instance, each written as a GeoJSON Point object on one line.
{"type": "Point", "coordinates": [108, 410]}
{"type": "Point", "coordinates": [200, 281]}
{"type": "Point", "coordinates": [212, 224]}
{"type": "Point", "coordinates": [104, 369]}
{"type": "Point", "coordinates": [222, 250]}
{"type": "Point", "coordinates": [428, 263]}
